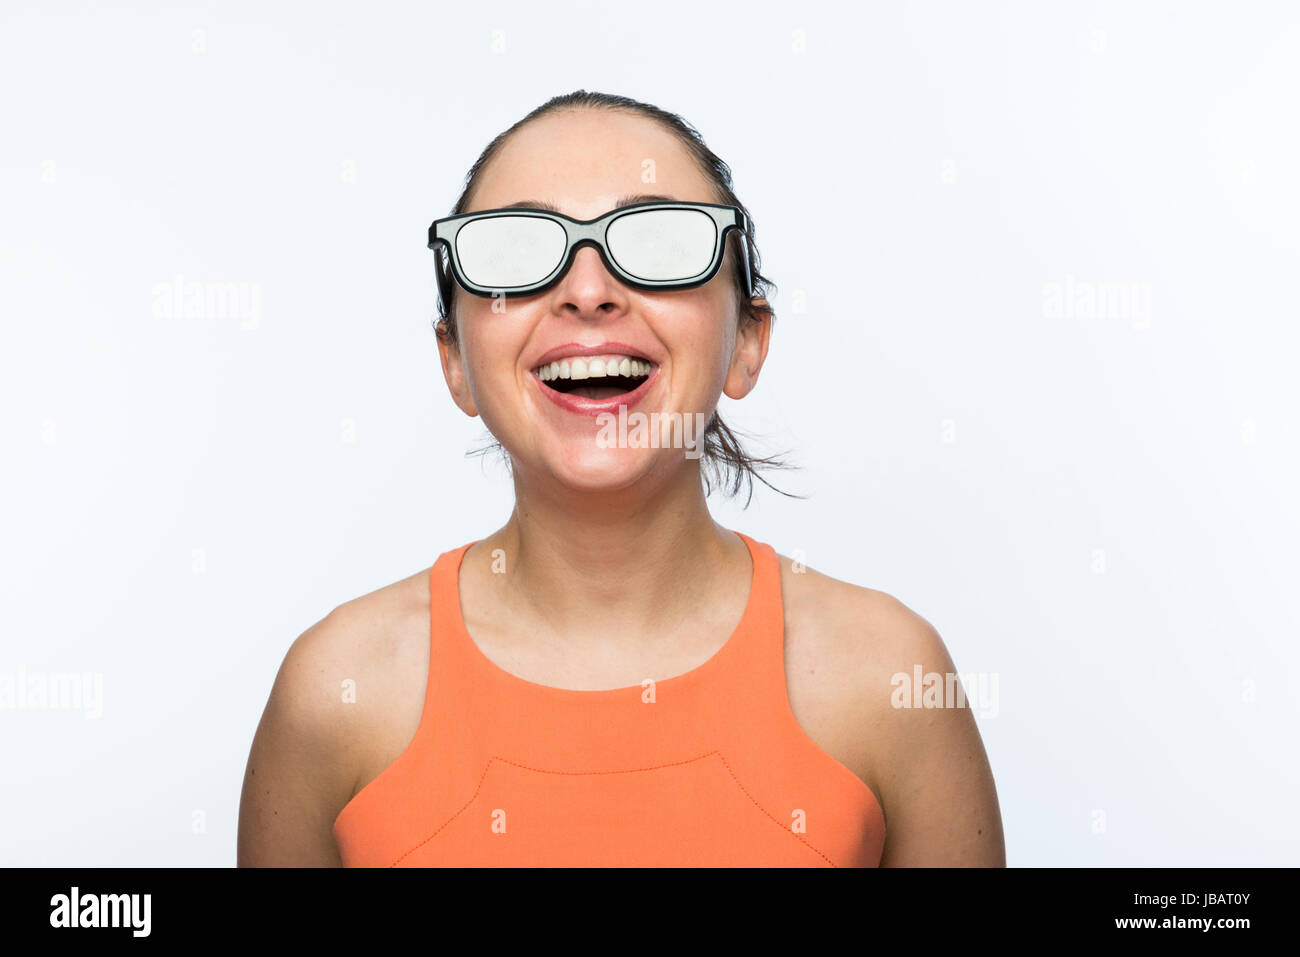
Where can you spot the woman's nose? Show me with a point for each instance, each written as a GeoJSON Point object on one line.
{"type": "Point", "coordinates": [588, 284]}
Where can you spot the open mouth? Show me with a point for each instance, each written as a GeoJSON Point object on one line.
{"type": "Point", "coordinates": [595, 377]}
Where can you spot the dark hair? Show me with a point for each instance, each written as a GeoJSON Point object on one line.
{"type": "Point", "coordinates": [725, 459]}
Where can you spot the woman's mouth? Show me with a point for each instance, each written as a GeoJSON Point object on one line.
{"type": "Point", "coordinates": [595, 377]}
{"type": "Point", "coordinates": [596, 384]}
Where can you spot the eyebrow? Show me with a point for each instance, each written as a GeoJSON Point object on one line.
{"type": "Point", "coordinates": [630, 200]}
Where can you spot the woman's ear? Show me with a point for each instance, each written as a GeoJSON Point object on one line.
{"type": "Point", "coordinates": [747, 358]}
{"type": "Point", "coordinates": [453, 370]}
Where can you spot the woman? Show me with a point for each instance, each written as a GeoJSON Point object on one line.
{"type": "Point", "coordinates": [611, 678]}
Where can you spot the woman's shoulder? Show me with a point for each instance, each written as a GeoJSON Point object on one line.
{"type": "Point", "coordinates": [852, 650]}
{"type": "Point", "coordinates": [340, 673]}
{"type": "Point", "coordinates": [845, 646]}
{"type": "Point", "coordinates": [848, 644]}
{"type": "Point", "coordinates": [855, 623]}
{"type": "Point", "coordinates": [370, 625]}
{"type": "Point", "coordinates": [335, 695]}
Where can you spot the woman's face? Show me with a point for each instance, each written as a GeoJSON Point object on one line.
{"type": "Point", "coordinates": [585, 163]}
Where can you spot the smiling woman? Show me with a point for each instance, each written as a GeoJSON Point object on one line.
{"type": "Point", "coordinates": [548, 695]}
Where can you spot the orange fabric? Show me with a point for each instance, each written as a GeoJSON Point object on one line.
{"type": "Point", "coordinates": [708, 768]}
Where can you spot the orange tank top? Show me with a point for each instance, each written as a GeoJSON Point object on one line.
{"type": "Point", "coordinates": [707, 768]}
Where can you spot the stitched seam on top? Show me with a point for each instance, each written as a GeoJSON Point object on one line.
{"type": "Point", "coordinates": [803, 840]}
{"type": "Point", "coordinates": [653, 767]}
{"type": "Point", "coordinates": [488, 767]}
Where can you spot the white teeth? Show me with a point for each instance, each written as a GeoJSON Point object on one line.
{"type": "Point", "coordinates": [594, 367]}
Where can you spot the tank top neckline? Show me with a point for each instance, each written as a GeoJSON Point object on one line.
{"type": "Point", "coordinates": [453, 619]}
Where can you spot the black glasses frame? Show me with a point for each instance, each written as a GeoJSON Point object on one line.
{"type": "Point", "coordinates": [587, 232]}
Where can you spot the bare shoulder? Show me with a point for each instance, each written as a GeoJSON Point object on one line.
{"type": "Point", "coordinates": [333, 693]}
{"type": "Point", "coordinates": [927, 766]}
{"type": "Point", "coordinates": [867, 624]}
{"type": "Point", "coordinates": [860, 636]}
{"type": "Point", "coordinates": [343, 669]}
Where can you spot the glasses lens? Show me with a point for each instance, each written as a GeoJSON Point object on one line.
{"type": "Point", "coordinates": [508, 251]}
{"type": "Point", "coordinates": [663, 244]}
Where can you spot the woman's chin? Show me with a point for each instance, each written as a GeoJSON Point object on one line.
{"type": "Point", "coordinates": [604, 470]}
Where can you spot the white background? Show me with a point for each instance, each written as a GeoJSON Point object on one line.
{"type": "Point", "coordinates": [1100, 508]}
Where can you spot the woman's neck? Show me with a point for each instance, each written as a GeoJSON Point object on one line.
{"type": "Point", "coordinates": [583, 566]}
